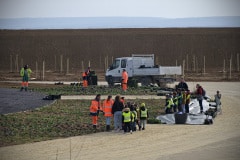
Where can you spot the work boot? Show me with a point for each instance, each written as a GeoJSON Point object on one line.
{"type": "Point", "coordinates": [26, 88]}
{"type": "Point", "coordinates": [108, 128]}
{"type": "Point", "coordinates": [21, 89]}
{"type": "Point", "coordinates": [94, 126]}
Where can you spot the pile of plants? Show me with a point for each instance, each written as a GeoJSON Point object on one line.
{"type": "Point", "coordinates": [93, 90]}
{"type": "Point", "coordinates": [64, 118]}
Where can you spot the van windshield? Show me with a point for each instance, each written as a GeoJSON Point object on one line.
{"type": "Point", "coordinates": [115, 64]}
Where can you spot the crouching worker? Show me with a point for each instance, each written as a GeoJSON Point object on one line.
{"type": "Point", "coordinates": [169, 104]}
{"type": "Point", "coordinates": [127, 119]}
{"type": "Point", "coordinates": [95, 108]}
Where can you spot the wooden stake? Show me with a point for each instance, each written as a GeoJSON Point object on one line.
{"type": "Point", "coordinates": [61, 63]}
{"type": "Point", "coordinates": [67, 66]}
{"type": "Point", "coordinates": [11, 63]}
{"type": "Point", "coordinates": [238, 62]}
{"type": "Point", "coordinates": [55, 64]}
{"type": "Point", "coordinates": [16, 63]}
{"type": "Point", "coordinates": [183, 68]}
{"type": "Point", "coordinates": [36, 71]}
{"type": "Point", "coordinates": [82, 67]}
{"type": "Point", "coordinates": [43, 72]}
{"type": "Point", "coordinates": [204, 65]}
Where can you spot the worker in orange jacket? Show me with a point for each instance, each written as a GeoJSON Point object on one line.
{"type": "Point", "coordinates": [107, 110]}
{"type": "Point", "coordinates": [95, 108]}
{"type": "Point", "coordinates": [124, 80]}
{"type": "Point", "coordinates": [84, 77]}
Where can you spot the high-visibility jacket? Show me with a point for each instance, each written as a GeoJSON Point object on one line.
{"type": "Point", "coordinates": [95, 106]}
{"type": "Point", "coordinates": [107, 107]}
{"type": "Point", "coordinates": [127, 116]}
{"type": "Point", "coordinates": [175, 100]}
{"type": "Point", "coordinates": [143, 113]}
{"type": "Point", "coordinates": [134, 115]}
{"type": "Point", "coordinates": [170, 103]}
{"type": "Point", "coordinates": [22, 72]}
{"type": "Point", "coordinates": [124, 77]}
{"type": "Point", "coordinates": [84, 76]}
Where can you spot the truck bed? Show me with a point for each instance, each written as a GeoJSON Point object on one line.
{"type": "Point", "coordinates": [155, 71]}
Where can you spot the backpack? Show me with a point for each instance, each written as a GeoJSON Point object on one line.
{"type": "Point", "coordinates": [203, 92]}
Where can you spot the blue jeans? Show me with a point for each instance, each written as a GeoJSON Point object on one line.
{"type": "Point", "coordinates": [108, 120]}
{"type": "Point", "coordinates": [118, 120]}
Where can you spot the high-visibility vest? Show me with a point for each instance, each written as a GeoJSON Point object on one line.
{"type": "Point", "coordinates": [29, 71]}
{"type": "Point", "coordinates": [107, 107]}
{"type": "Point", "coordinates": [127, 116]}
{"type": "Point", "coordinates": [175, 100]}
{"type": "Point", "coordinates": [170, 103]}
{"type": "Point", "coordinates": [84, 75]}
{"type": "Point", "coordinates": [95, 106]}
{"type": "Point", "coordinates": [143, 113]}
{"type": "Point", "coordinates": [134, 115]}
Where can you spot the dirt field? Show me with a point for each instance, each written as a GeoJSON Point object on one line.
{"type": "Point", "coordinates": [170, 45]}
{"type": "Point", "coordinates": [218, 141]}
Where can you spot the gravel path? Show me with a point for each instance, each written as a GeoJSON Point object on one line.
{"type": "Point", "coordinates": [13, 100]}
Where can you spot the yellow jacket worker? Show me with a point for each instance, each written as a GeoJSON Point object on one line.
{"type": "Point", "coordinates": [25, 74]}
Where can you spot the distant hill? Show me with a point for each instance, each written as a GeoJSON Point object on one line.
{"type": "Point", "coordinates": [118, 22]}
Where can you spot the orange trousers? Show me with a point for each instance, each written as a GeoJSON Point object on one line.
{"type": "Point", "coordinates": [94, 120]}
{"type": "Point", "coordinates": [124, 86]}
{"type": "Point", "coordinates": [85, 83]}
{"type": "Point", "coordinates": [24, 84]}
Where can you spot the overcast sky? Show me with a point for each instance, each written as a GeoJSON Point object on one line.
{"type": "Point", "coordinates": [119, 8]}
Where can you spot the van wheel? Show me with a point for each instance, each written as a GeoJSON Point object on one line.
{"type": "Point", "coordinates": [110, 81]}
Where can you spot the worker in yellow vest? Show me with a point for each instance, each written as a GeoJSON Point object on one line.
{"type": "Point", "coordinates": [107, 110]}
{"type": "Point", "coordinates": [95, 108]}
{"type": "Point", "coordinates": [175, 102]}
{"type": "Point", "coordinates": [25, 74]}
{"type": "Point", "coordinates": [143, 116]}
{"type": "Point", "coordinates": [169, 104]}
{"type": "Point", "coordinates": [127, 119]}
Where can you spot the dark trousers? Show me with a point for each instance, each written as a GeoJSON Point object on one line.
{"type": "Point", "coordinates": [187, 108]}
{"type": "Point", "coordinates": [174, 108]}
{"type": "Point", "coordinates": [168, 110]}
{"type": "Point", "coordinates": [127, 125]}
{"type": "Point", "coordinates": [200, 104]}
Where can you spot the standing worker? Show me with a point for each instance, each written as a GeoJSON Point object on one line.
{"type": "Point", "coordinates": [117, 113]}
{"type": "Point", "coordinates": [107, 110]}
{"type": "Point", "coordinates": [127, 119]}
{"type": "Point", "coordinates": [25, 74]}
{"type": "Point", "coordinates": [143, 116]}
{"type": "Point", "coordinates": [85, 77]}
{"type": "Point", "coordinates": [217, 99]}
{"type": "Point", "coordinates": [124, 80]}
{"type": "Point", "coordinates": [199, 94]}
{"type": "Point", "coordinates": [95, 108]}
{"type": "Point", "coordinates": [182, 85]}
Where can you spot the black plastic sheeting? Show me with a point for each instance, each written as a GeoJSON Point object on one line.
{"type": "Point", "coordinates": [194, 116]}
